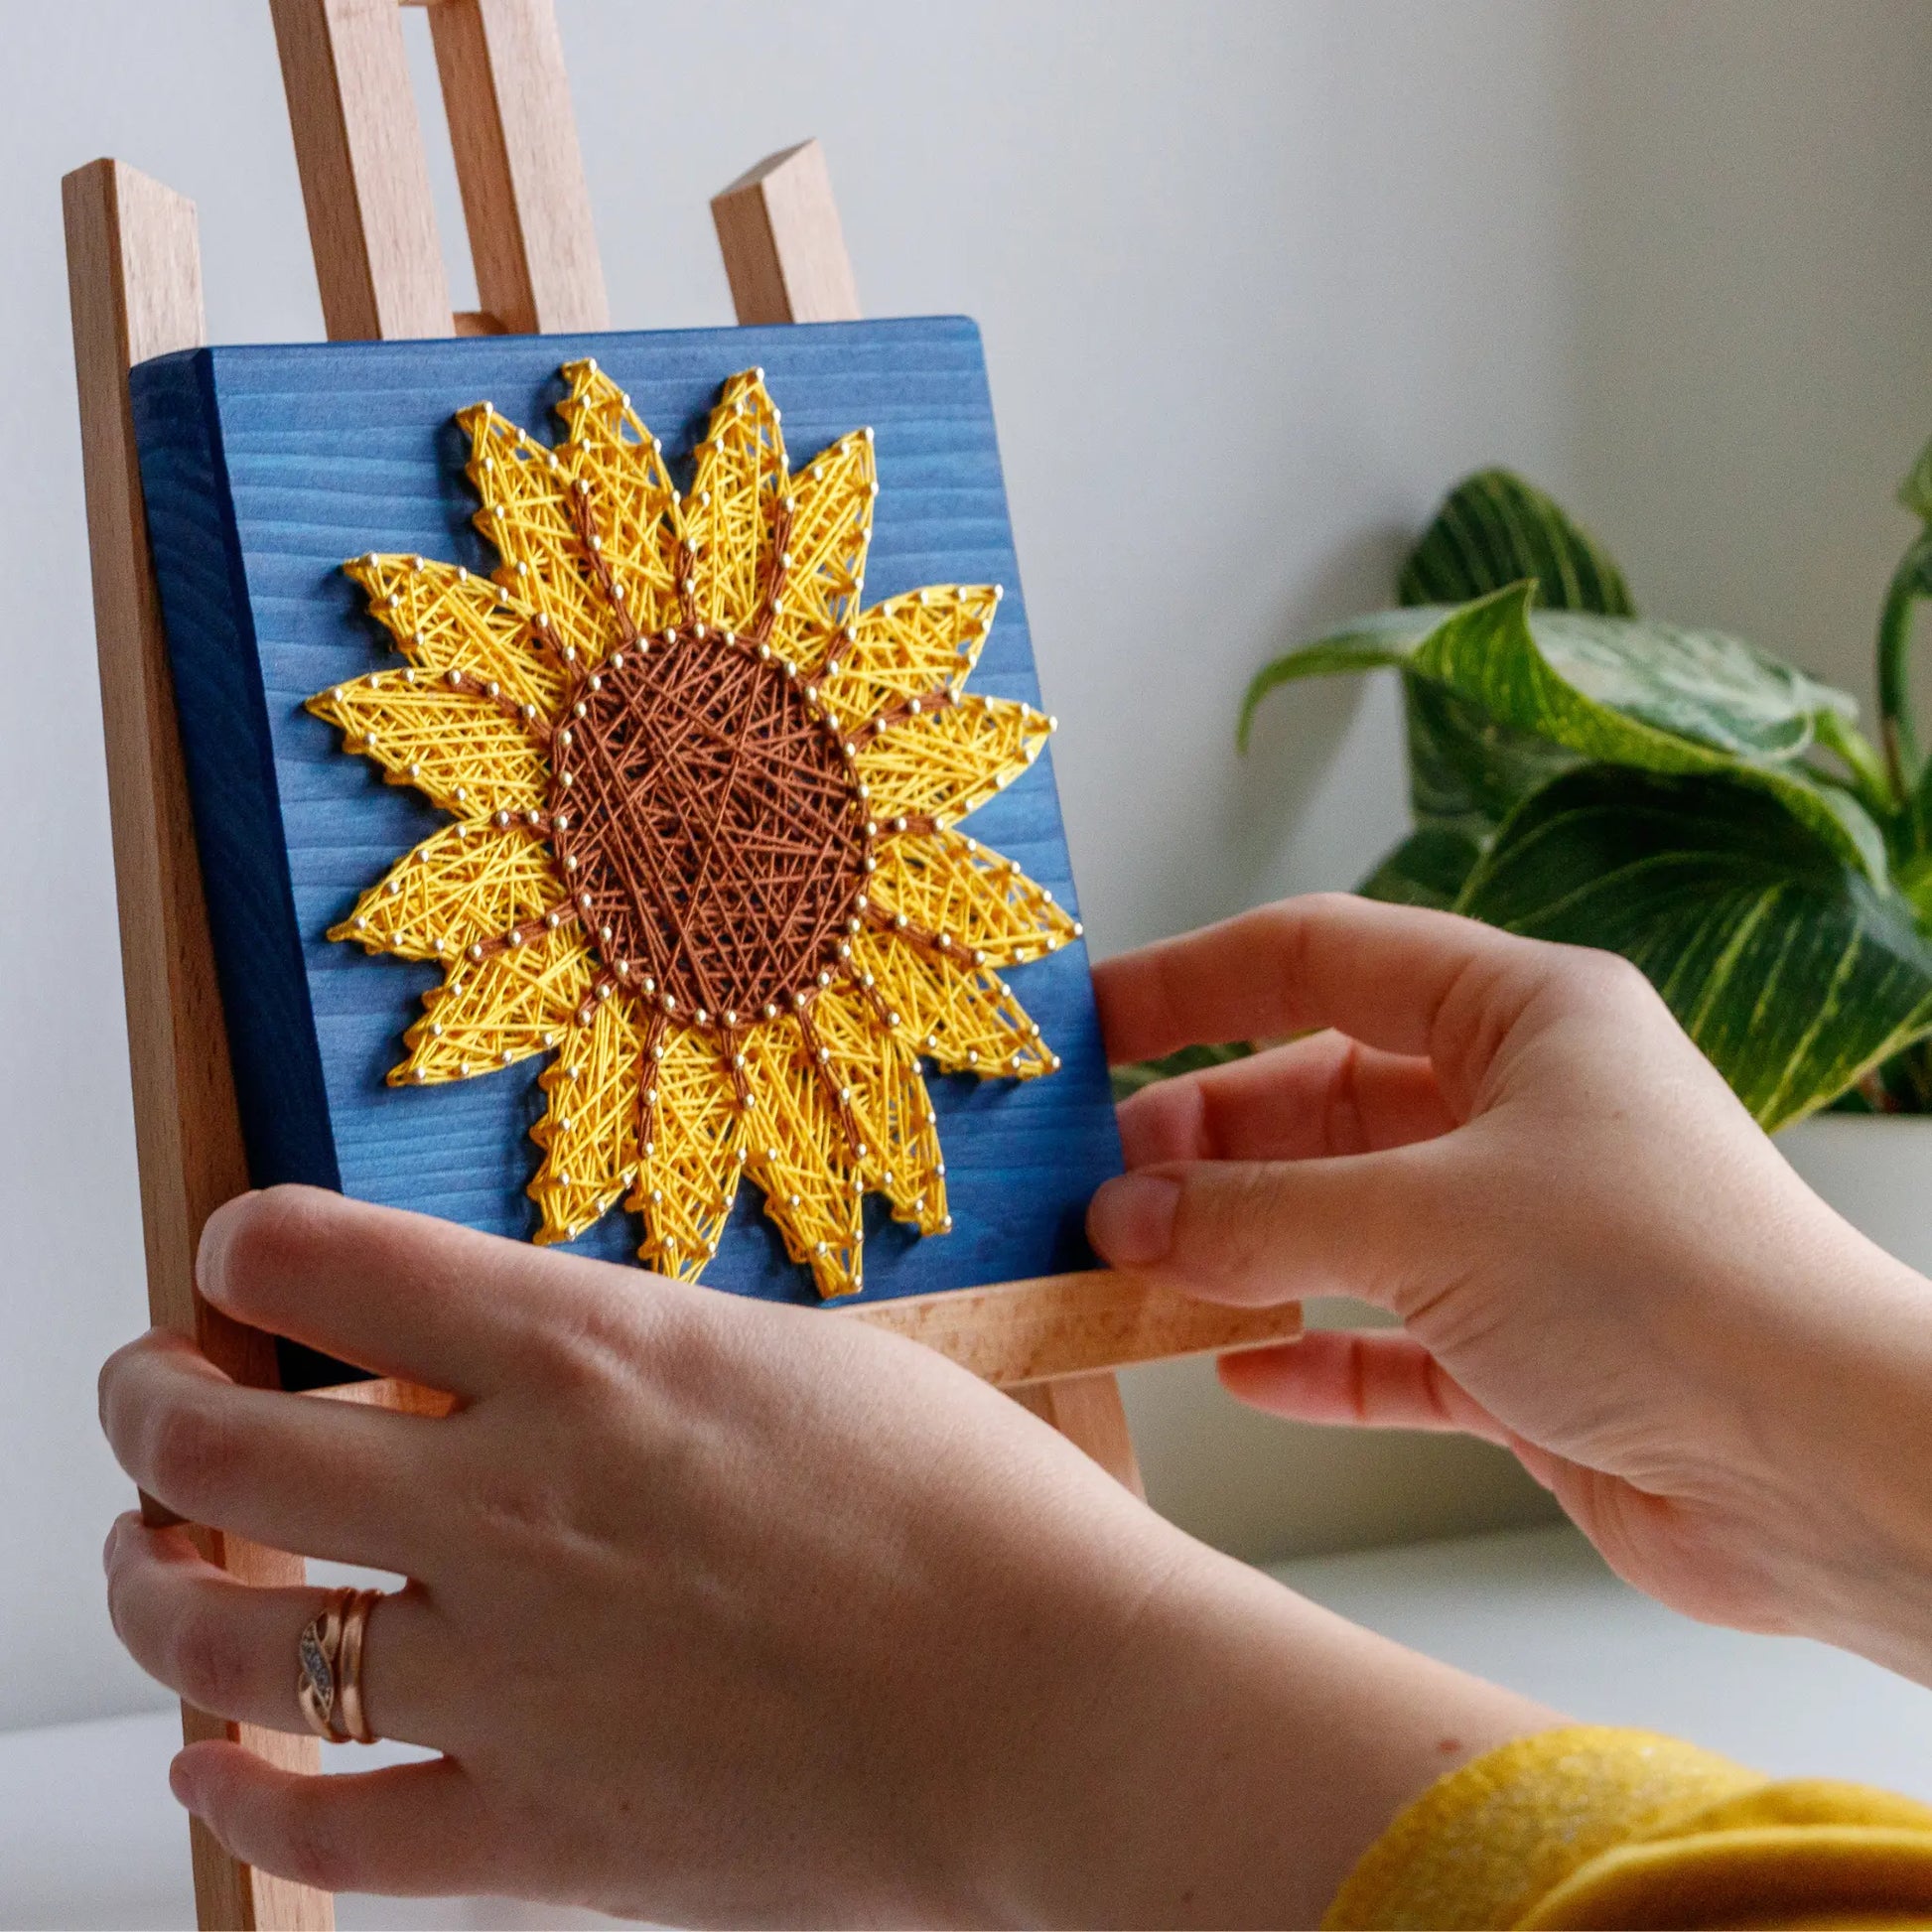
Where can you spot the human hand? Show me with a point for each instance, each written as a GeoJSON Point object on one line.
{"type": "Point", "coordinates": [1597, 1258]}
{"type": "Point", "coordinates": [723, 1611]}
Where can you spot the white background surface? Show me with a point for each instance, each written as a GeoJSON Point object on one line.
{"type": "Point", "coordinates": [1257, 282]}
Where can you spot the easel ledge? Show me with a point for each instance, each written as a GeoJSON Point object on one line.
{"type": "Point", "coordinates": [135, 291]}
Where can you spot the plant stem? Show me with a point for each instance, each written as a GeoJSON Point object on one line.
{"type": "Point", "coordinates": [1908, 585]}
{"type": "Point", "coordinates": [1871, 778]}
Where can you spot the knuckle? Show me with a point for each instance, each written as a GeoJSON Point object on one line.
{"type": "Point", "coordinates": [119, 1385]}
{"type": "Point", "coordinates": [601, 1342]}
{"type": "Point", "coordinates": [1225, 1229]}
{"type": "Point", "coordinates": [519, 1505]}
{"type": "Point", "coordinates": [1169, 1120]}
{"type": "Point", "coordinates": [1321, 906]}
{"type": "Point", "coordinates": [203, 1666]}
{"type": "Point", "coordinates": [1611, 979]}
{"type": "Point", "coordinates": [578, 1359]}
{"type": "Point", "coordinates": [190, 1453]}
{"type": "Point", "coordinates": [1289, 921]}
{"type": "Point", "coordinates": [118, 1598]}
{"type": "Point", "coordinates": [130, 1579]}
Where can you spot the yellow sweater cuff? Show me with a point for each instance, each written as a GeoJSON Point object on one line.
{"type": "Point", "coordinates": [1595, 1826]}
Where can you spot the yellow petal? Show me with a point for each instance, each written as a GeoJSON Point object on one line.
{"type": "Point", "coordinates": [530, 515]}
{"type": "Point", "coordinates": [634, 504]}
{"type": "Point", "coordinates": [942, 763]}
{"type": "Point", "coordinates": [454, 747]}
{"type": "Point", "coordinates": [946, 883]}
{"type": "Point", "coordinates": [467, 883]}
{"type": "Point", "coordinates": [798, 1153]}
{"type": "Point", "coordinates": [589, 1130]}
{"type": "Point", "coordinates": [910, 647]}
{"type": "Point", "coordinates": [498, 1011]}
{"type": "Point", "coordinates": [830, 528]}
{"type": "Point", "coordinates": [894, 1109]}
{"type": "Point", "coordinates": [739, 482]}
{"type": "Point", "coordinates": [440, 615]}
{"type": "Point", "coordinates": [689, 1179]}
{"type": "Point", "coordinates": [963, 1017]}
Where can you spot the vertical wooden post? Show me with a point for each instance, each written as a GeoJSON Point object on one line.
{"type": "Point", "coordinates": [785, 257]}
{"type": "Point", "coordinates": [526, 201]}
{"type": "Point", "coordinates": [134, 283]}
{"type": "Point", "coordinates": [358, 147]}
{"type": "Point", "coordinates": [785, 251]}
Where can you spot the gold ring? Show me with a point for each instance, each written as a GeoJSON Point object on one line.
{"type": "Point", "coordinates": [329, 1666]}
{"type": "Point", "coordinates": [315, 1655]}
{"type": "Point", "coordinates": [356, 1624]}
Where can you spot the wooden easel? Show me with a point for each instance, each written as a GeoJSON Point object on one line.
{"type": "Point", "coordinates": [134, 279]}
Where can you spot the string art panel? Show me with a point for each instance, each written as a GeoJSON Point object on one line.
{"type": "Point", "coordinates": [587, 855]}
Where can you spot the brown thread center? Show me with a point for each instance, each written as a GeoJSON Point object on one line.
{"type": "Point", "coordinates": [708, 824]}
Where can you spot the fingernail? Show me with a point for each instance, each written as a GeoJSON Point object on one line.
{"type": "Point", "coordinates": [211, 1257]}
{"type": "Point", "coordinates": [1130, 1220]}
{"type": "Point", "coordinates": [181, 1781]}
{"type": "Point", "coordinates": [107, 1548]}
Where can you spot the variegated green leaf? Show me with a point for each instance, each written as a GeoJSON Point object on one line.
{"type": "Point", "coordinates": [1429, 868]}
{"type": "Point", "coordinates": [1611, 687]}
{"type": "Point", "coordinates": [1620, 691]}
{"type": "Point", "coordinates": [1784, 961]}
{"type": "Point", "coordinates": [1467, 772]}
{"type": "Point", "coordinates": [1382, 639]}
{"type": "Point", "coordinates": [1494, 529]}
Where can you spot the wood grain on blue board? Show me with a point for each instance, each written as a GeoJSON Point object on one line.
{"type": "Point", "coordinates": [264, 469]}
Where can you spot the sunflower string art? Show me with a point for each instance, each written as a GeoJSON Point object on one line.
{"type": "Point", "coordinates": [704, 848]}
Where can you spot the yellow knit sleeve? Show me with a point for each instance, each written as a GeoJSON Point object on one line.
{"type": "Point", "coordinates": [1592, 1827]}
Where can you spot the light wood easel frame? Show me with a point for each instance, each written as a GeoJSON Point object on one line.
{"type": "Point", "coordinates": [134, 279]}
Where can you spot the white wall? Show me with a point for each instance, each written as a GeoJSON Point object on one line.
{"type": "Point", "coordinates": [1257, 282]}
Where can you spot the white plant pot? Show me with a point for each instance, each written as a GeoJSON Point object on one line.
{"type": "Point", "coordinates": [1877, 1170]}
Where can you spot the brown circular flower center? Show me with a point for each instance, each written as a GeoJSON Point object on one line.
{"type": "Point", "coordinates": [713, 822]}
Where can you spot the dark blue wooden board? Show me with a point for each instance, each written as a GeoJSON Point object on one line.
{"type": "Point", "coordinates": [264, 469]}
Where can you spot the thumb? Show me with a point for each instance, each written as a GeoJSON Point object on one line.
{"type": "Point", "coordinates": [1259, 1232]}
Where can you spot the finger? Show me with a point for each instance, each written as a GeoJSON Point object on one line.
{"type": "Point", "coordinates": [322, 1478]}
{"type": "Point", "coordinates": [229, 1648]}
{"type": "Point", "coordinates": [391, 1291]}
{"type": "Point", "coordinates": [1380, 973]}
{"type": "Point", "coordinates": [1261, 1232]}
{"type": "Point", "coordinates": [1326, 1094]}
{"type": "Point", "coordinates": [1381, 1379]}
{"type": "Point", "coordinates": [406, 1829]}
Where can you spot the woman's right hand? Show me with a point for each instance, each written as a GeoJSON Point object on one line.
{"type": "Point", "coordinates": [1597, 1258]}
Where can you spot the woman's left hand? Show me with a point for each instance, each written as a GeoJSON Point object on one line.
{"type": "Point", "coordinates": [727, 1611]}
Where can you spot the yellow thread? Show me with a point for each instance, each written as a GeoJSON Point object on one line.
{"type": "Point", "coordinates": [589, 1130]}
{"type": "Point", "coordinates": [686, 1185]}
{"type": "Point", "coordinates": [964, 755]}
{"type": "Point", "coordinates": [945, 882]}
{"type": "Point", "coordinates": [818, 1095]}
{"type": "Point", "coordinates": [904, 648]}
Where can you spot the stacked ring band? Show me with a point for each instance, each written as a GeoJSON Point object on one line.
{"type": "Point", "coordinates": [329, 1666]}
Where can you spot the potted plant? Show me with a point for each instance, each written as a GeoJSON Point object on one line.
{"type": "Point", "coordinates": [1582, 773]}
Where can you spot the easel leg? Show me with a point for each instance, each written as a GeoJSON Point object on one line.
{"type": "Point", "coordinates": [227, 1892]}
{"type": "Point", "coordinates": [134, 280]}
